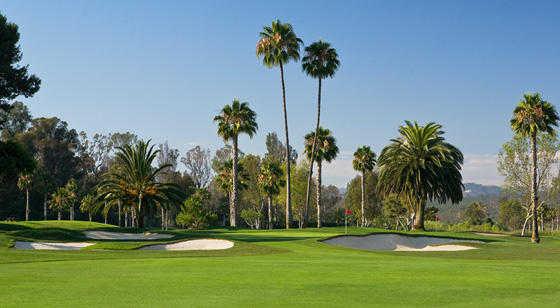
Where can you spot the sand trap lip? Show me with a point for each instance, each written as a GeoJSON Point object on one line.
{"type": "Point", "coordinates": [203, 244]}
{"type": "Point", "coordinates": [106, 235]}
{"type": "Point", "coordinates": [490, 234]}
{"type": "Point", "coordinates": [51, 246]}
{"type": "Point", "coordinates": [398, 242]}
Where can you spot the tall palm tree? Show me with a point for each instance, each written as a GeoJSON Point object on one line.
{"type": "Point", "coordinates": [24, 183]}
{"type": "Point", "coordinates": [320, 61]}
{"type": "Point", "coordinates": [531, 116]}
{"type": "Point", "coordinates": [233, 120]}
{"type": "Point", "coordinates": [326, 150]}
{"type": "Point", "coordinates": [364, 161]}
{"type": "Point", "coordinates": [278, 44]}
{"type": "Point", "coordinates": [134, 181]}
{"type": "Point", "coordinates": [419, 166]}
{"type": "Point", "coordinates": [270, 181]}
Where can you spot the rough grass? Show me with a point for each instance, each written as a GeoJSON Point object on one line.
{"type": "Point", "coordinates": [273, 268]}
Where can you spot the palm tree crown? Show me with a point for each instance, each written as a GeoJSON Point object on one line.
{"type": "Point", "coordinates": [532, 115]}
{"type": "Point", "coordinates": [364, 159]}
{"type": "Point", "coordinates": [278, 44]}
{"type": "Point", "coordinates": [320, 60]}
{"type": "Point", "coordinates": [235, 119]}
{"type": "Point", "coordinates": [326, 145]}
{"type": "Point", "coordinates": [419, 166]}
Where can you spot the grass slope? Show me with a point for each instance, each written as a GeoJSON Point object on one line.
{"type": "Point", "coordinates": [273, 268]}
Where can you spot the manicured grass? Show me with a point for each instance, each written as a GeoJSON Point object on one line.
{"type": "Point", "coordinates": [274, 268]}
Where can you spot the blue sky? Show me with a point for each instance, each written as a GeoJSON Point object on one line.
{"type": "Point", "coordinates": [163, 69]}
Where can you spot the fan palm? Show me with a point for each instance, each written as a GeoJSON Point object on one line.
{"type": "Point", "coordinates": [88, 205]}
{"type": "Point", "coordinates": [320, 61]}
{"type": "Point", "coordinates": [134, 181]}
{"type": "Point", "coordinates": [531, 116]}
{"type": "Point", "coordinates": [233, 120]}
{"type": "Point", "coordinates": [277, 45]}
{"type": "Point", "coordinates": [364, 161]}
{"type": "Point", "coordinates": [270, 181]}
{"type": "Point", "coordinates": [326, 150]}
{"type": "Point", "coordinates": [419, 166]}
{"type": "Point", "coordinates": [24, 183]}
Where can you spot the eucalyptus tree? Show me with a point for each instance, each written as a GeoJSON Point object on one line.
{"type": "Point", "coordinates": [24, 184]}
{"type": "Point", "coordinates": [277, 45]}
{"type": "Point", "coordinates": [320, 61]}
{"type": "Point", "coordinates": [233, 120]}
{"type": "Point", "coordinates": [326, 150]}
{"type": "Point", "coordinates": [270, 182]}
{"type": "Point", "coordinates": [420, 165]}
{"type": "Point", "coordinates": [364, 161]}
{"type": "Point", "coordinates": [135, 181]}
{"type": "Point", "coordinates": [531, 116]}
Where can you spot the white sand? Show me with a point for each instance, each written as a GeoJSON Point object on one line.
{"type": "Point", "coordinates": [491, 234]}
{"type": "Point", "coordinates": [397, 242]}
{"type": "Point", "coordinates": [105, 235]}
{"type": "Point", "coordinates": [205, 244]}
{"type": "Point", "coordinates": [51, 246]}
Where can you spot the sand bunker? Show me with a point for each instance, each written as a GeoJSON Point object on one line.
{"type": "Point", "coordinates": [491, 234]}
{"type": "Point", "coordinates": [397, 242]}
{"type": "Point", "coordinates": [51, 246]}
{"type": "Point", "coordinates": [205, 244]}
{"type": "Point", "coordinates": [105, 235]}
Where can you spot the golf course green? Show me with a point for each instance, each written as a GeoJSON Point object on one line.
{"type": "Point", "coordinates": [272, 268]}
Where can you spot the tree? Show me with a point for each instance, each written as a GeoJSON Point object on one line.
{"type": "Point", "coordinates": [275, 149]}
{"type": "Point", "coordinates": [58, 201]}
{"type": "Point", "coordinates": [134, 181]}
{"type": "Point", "coordinates": [511, 214]}
{"type": "Point", "coordinates": [197, 163]}
{"type": "Point", "coordinates": [89, 205]}
{"type": "Point", "coordinates": [395, 213]}
{"type": "Point", "coordinates": [531, 116]}
{"type": "Point", "coordinates": [353, 198]}
{"type": "Point", "coordinates": [233, 120]}
{"type": "Point", "coordinates": [419, 166]}
{"type": "Point", "coordinates": [195, 213]}
{"type": "Point", "coordinates": [14, 120]}
{"type": "Point", "coordinates": [320, 61]}
{"type": "Point", "coordinates": [24, 183]}
{"type": "Point", "coordinates": [270, 181]}
{"type": "Point", "coordinates": [71, 196]}
{"type": "Point", "coordinates": [326, 151]}
{"type": "Point", "coordinates": [364, 161]}
{"type": "Point", "coordinates": [278, 44]}
{"type": "Point", "coordinates": [15, 79]}
{"type": "Point", "coordinates": [476, 213]}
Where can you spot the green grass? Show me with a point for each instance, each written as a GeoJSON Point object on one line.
{"type": "Point", "coordinates": [273, 268]}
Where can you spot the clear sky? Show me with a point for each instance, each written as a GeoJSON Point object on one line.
{"type": "Point", "coordinates": [163, 69]}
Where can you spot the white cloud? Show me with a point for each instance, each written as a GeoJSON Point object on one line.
{"type": "Point", "coordinates": [477, 168]}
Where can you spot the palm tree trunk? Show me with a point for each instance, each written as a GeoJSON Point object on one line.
{"type": "Point", "coordinates": [313, 148]}
{"type": "Point", "coordinates": [140, 223]}
{"type": "Point", "coordinates": [72, 212]}
{"type": "Point", "coordinates": [59, 215]}
{"type": "Point", "coordinates": [288, 171]}
{"type": "Point", "coordinates": [126, 219]}
{"type": "Point", "coordinates": [45, 207]}
{"type": "Point", "coordinates": [319, 167]}
{"type": "Point", "coordinates": [534, 191]}
{"type": "Point", "coordinates": [419, 217]}
{"type": "Point", "coordinates": [26, 204]}
{"type": "Point", "coordinates": [363, 199]}
{"type": "Point", "coordinates": [89, 214]}
{"type": "Point", "coordinates": [233, 200]}
{"type": "Point", "coordinates": [270, 212]}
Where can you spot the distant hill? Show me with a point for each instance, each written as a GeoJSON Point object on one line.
{"type": "Point", "coordinates": [476, 190]}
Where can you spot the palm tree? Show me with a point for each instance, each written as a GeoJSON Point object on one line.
{"type": "Point", "coordinates": [233, 120]}
{"type": "Point", "coordinates": [24, 183]}
{"type": "Point", "coordinates": [326, 150]}
{"type": "Point", "coordinates": [320, 61]}
{"type": "Point", "coordinates": [531, 116]}
{"type": "Point", "coordinates": [134, 181]}
{"type": "Point", "coordinates": [419, 166]}
{"type": "Point", "coordinates": [270, 180]}
{"type": "Point", "coordinates": [58, 201]}
{"type": "Point", "coordinates": [71, 196]}
{"type": "Point", "coordinates": [88, 205]}
{"type": "Point", "coordinates": [278, 44]}
{"type": "Point", "coordinates": [364, 161]}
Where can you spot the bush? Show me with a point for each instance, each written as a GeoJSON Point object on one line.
{"type": "Point", "coordinates": [195, 212]}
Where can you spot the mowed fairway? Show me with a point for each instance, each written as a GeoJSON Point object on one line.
{"type": "Point", "coordinates": [273, 268]}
